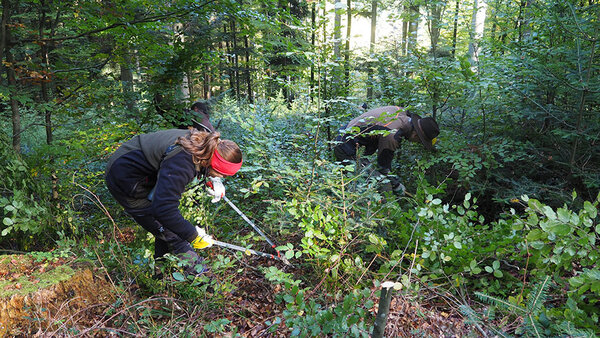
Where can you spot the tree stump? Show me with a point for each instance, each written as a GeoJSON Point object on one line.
{"type": "Point", "coordinates": [39, 296]}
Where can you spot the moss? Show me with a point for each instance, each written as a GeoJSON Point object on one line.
{"type": "Point", "coordinates": [27, 284]}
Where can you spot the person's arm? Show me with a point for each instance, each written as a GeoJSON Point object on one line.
{"type": "Point", "coordinates": [385, 154]}
{"type": "Point", "coordinates": [174, 175]}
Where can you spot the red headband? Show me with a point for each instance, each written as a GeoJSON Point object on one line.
{"type": "Point", "coordinates": [223, 166]}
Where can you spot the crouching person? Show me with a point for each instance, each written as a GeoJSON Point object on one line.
{"type": "Point", "coordinates": [148, 174]}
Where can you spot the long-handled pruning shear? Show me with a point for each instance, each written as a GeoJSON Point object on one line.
{"type": "Point", "coordinates": [249, 251]}
{"type": "Point", "coordinates": [279, 256]}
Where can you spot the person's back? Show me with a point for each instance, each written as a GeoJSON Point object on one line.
{"type": "Point", "coordinates": [381, 130]}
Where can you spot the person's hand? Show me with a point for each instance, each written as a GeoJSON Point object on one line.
{"type": "Point", "coordinates": [203, 240]}
{"type": "Point", "coordinates": [215, 188]}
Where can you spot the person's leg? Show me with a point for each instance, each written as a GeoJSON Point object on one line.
{"type": "Point", "coordinates": [167, 241]}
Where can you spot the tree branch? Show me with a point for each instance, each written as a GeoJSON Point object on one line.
{"type": "Point", "coordinates": [175, 14]}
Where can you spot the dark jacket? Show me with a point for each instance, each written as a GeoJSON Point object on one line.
{"type": "Point", "coordinates": [142, 163]}
{"type": "Point", "coordinates": [378, 130]}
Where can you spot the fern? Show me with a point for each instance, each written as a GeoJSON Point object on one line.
{"type": "Point", "coordinates": [538, 296]}
{"type": "Point", "coordinates": [530, 313]}
{"type": "Point", "coordinates": [501, 303]}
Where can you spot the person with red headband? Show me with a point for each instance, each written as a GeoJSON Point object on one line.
{"type": "Point", "coordinates": [148, 174]}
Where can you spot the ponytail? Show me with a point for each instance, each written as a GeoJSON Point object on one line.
{"type": "Point", "coordinates": [202, 146]}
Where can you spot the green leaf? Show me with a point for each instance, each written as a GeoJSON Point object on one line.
{"type": "Point", "coordinates": [178, 276]}
{"type": "Point", "coordinates": [563, 215]}
{"type": "Point", "coordinates": [590, 209]}
{"type": "Point", "coordinates": [489, 269]}
{"type": "Point", "coordinates": [8, 221]}
{"type": "Point", "coordinates": [535, 234]}
{"type": "Point", "coordinates": [498, 274]}
{"type": "Point", "coordinates": [555, 227]}
{"type": "Point", "coordinates": [496, 265]}
{"type": "Point", "coordinates": [549, 212]}
{"type": "Point", "coordinates": [473, 264]}
{"type": "Point", "coordinates": [457, 245]}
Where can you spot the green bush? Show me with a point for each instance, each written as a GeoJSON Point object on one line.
{"type": "Point", "coordinates": [25, 195]}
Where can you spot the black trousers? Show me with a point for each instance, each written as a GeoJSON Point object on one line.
{"type": "Point", "coordinates": [165, 240]}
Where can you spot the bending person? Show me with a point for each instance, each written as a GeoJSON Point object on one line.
{"type": "Point", "coordinates": [148, 174]}
{"type": "Point", "coordinates": [381, 130]}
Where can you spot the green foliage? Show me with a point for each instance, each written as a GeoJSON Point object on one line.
{"type": "Point", "coordinates": [306, 317]}
{"type": "Point", "coordinates": [532, 319]}
{"type": "Point", "coordinates": [562, 243]}
{"type": "Point", "coordinates": [25, 207]}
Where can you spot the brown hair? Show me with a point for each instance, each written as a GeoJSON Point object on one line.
{"type": "Point", "coordinates": [202, 146]}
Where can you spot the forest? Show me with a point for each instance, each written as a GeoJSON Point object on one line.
{"type": "Point", "coordinates": [495, 231]}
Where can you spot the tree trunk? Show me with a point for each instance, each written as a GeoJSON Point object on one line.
{"type": "Point", "coordinates": [337, 27]}
{"type": "Point", "coordinates": [10, 75]}
{"type": "Point", "coordinates": [3, 30]}
{"type": "Point", "coordinates": [229, 60]}
{"type": "Point", "coordinates": [126, 78]}
{"type": "Point", "coordinates": [405, 25]}
{"type": "Point", "coordinates": [455, 28]}
{"type": "Point", "coordinates": [313, 26]}
{"type": "Point", "coordinates": [236, 72]}
{"type": "Point", "coordinates": [347, 51]}
{"type": "Point", "coordinates": [582, 101]}
{"type": "Point", "coordinates": [248, 75]}
{"type": "Point", "coordinates": [44, 82]}
{"type": "Point", "coordinates": [413, 28]}
{"type": "Point", "coordinates": [14, 107]}
{"type": "Point", "coordinates": [434, 25]}
{"type": "Point", "coordinates": [476, 32]}
{"type": "Point", "coordinates": [371, 49]}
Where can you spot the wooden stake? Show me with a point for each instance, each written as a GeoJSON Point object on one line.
{"type": "Point", "coordinates": [383, 310]}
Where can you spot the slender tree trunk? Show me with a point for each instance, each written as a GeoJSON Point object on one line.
{"type": "Point", "coordinates": [405, 25]}
{"type": "Point", "coordinates": [455, 28]}
{"type": "Point", "coordinates": [126, 78]}
{"type": "Point", "coordinates": [10, 75]}
{"type": "Point", "coordinates": [14, 107]}
{"type": "Point", "coordinates": [313, 20]}
{"type": "Point", "coordinates": [434, 25]}
{"type": "Point", "coordinates": [337, 27]}
{"type": "Point", "coordinates": [3, 30]}
{"type": "Point", "coordinates": [235, 58]}
{"type": "Point", "coordinates": [229, 60]}
{"type": "Point", "coordinates": [582, 100]}
{"type": "Point", "coordinates": [248, 73]}
{"type": "Point", "coordinates": [46, 64]}
{"type": "Point", "coordinates": [476, 31]}
{"type": "Point", "coordinates": [347, 51]}
{"type": "Point", "coordinates": [206, 82]}
{"type": "Point", "coordinates": [323, 89]}
{"type": "Point", "coordinates": [413, 28]}
{"type": "Point", "coordinates": [371, 49]}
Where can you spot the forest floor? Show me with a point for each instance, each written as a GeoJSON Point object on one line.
{"type": "Point", "coordinates": [40, 291]}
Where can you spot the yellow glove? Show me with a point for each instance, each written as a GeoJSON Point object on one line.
{"type": "Point", "coordinates": [203, 240]}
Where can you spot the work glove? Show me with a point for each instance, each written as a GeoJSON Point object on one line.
{"type": "Point", "coordinates": [215, 188]}
{"type": "Point", "coordinates": [203, 240]}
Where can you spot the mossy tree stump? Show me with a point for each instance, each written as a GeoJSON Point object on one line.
{"type": "Point", "coordinates": [42, 295]}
